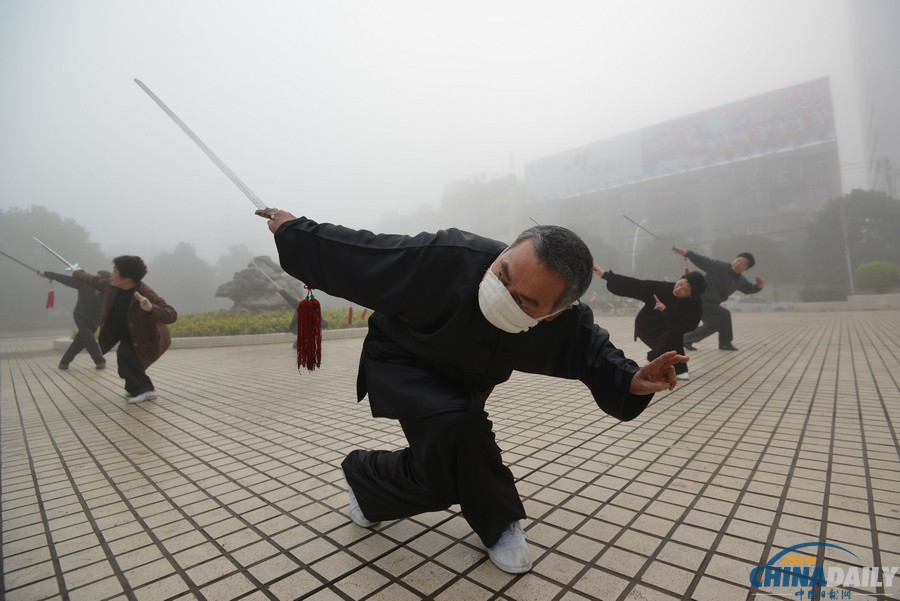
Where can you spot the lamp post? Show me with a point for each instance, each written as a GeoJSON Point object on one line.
{"type": "Point", "coordinates": [634, 244]}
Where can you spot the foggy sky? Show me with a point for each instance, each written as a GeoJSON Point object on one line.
{"type": "Point", "coordinates": [344, 110]}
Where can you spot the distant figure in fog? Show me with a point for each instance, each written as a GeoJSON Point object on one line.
{"type": "Point", "coordinates": [670, 310]}
{"type": "Point", "coordinates": [86, 316]}
{"type": "Point", "coordinates": [722, 279]}
{"type": "Point", "coordinates": [135, 317]}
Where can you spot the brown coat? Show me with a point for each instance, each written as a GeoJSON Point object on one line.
{"type": "Point", "coordinates": [147, 328]}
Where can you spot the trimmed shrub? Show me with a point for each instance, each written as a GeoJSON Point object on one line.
{"type": "Point", "coordinates": [877, 276]}
{"type": "Point", "coordinates": [226, 323]}
{"type": "Point", "coordinates": [818, 294]}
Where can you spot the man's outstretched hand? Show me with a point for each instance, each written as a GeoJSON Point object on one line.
{"type": "Point", "coordinates": [277, 218]}
{"type": "Point", "coordinates": [657, 375]}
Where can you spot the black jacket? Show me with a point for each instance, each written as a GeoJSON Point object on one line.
{"type": "Point", "coordinates": [87, 307]}
{"type": "Point", "coordinates": [429, 349]}
{"type": "Point", "coordinates": [721, 281]}
{"type": "Point", "coordinates": [681, 315]}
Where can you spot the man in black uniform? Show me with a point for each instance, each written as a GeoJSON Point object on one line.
{"type": "Point", "coordinates": [454, 315]}
{"type": "Point", "coordinates": [86, 316]}
{"type": "Point", "coordinates": [722, 279]}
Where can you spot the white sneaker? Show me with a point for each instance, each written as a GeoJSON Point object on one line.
{"type": "Point", "coordinates": [355, 511]}
{"type": "Point", "coordinates": [510, 553]}
{"type": "Point", "coordinates": [684, 376]}
{"type": "Point", "coordinates": [144, 396]}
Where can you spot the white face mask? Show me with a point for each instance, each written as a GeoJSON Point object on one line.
{"type": "Point", "coordinates": [500, 308]}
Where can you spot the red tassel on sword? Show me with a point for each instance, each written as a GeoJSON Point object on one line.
{"type": "Point", "coordinates": [50, 298]}
{"type": "Point", "coordinates": [309, 332]}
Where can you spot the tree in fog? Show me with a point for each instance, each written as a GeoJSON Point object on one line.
{"type": "Point", "coordinates": [186, 281]}
{"type": "Point", "coordinates": [863, 226]}
{"type": "Point", "coordinates": [234, 260]}
{"type": "Point", "coordinates": [773, 262]}
{"type": "Point", "coordinates": [23, 293]}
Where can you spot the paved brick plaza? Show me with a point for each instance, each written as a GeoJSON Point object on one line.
{"type": "Point", "coordinates": [228, 486]}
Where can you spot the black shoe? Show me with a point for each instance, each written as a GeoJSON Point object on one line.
{"type": "Point", "coordinates": [63, 365]}
{"type": "Point", "coordinates": [101, 365]}
{"type": "Point", "coordinates": [727, 347]}
{"type": "Point", "coordinates": [689, 347]}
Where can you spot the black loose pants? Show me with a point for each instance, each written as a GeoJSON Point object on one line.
{"type": "Point", "coordinates": [131, 370]}
{"type": "Point", "coordinates": [452, 458]}
{"type": "Point", "coordinates": [84, 339]}
{"type": "Point", "coordinates": [715, 319]}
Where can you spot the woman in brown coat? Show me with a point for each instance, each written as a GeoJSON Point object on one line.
{"type": "Point", "coordinates": [134, 316]}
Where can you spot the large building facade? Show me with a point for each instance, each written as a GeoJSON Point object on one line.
{"type": "Point", "coordinates": [877, 25]}
{"type": "Point", "coordinates": [763, 165]}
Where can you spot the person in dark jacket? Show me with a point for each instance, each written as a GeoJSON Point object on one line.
{"type": "Point", "coordinates": [722, 279]}
{"type": "Point", "coordinates": [670, 310]}
{"type": "Point", "coordinates": [135, 317]}
{"type": "Point", "coordinates": [86, 316]}
{"type": "Point", "coordinates": [453, 315]}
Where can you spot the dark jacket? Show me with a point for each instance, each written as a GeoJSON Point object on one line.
{"type": "Point", "coordinates": [429, 348]}
{"type": "Point", "coordinates": [149, 334]}
{"type": "Point", "coordinates": [681, 315]}
{"type": "Point", "coordinates": [721, 281]}
{"type": "Point", "coordinates": [87, 307]}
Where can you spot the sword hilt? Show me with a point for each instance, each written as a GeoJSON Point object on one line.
{"type": "Point", "coordinates": [268, 213]}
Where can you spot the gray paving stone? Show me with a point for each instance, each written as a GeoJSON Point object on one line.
{"type": "Point", "coordinates": [228, 485]}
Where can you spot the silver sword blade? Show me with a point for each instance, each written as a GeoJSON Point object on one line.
{"type": "Point", "coordinates": [206, 149]}
{"type": "Point", "coordinates": [264, 273]}
{"type": "Point", "coordinates": [57, 255]}
{"type": "Point", "coordinates": [645, 229]}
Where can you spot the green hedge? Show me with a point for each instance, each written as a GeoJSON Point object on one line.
{"type": "Point", "coordinates": [226, 323]}
{"type": "Point", "coordinates": [877, 276]}
{"type": "Point", "coordinates": [823, 294]}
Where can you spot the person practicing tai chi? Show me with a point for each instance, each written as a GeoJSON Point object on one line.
{"type": "Point", "coordinates": [86, 316]}
{"type": "Point", "coordinates": [453, 315]}
{"type": "Point", "coordinates": [722, 279]}
{"type": "Point", "coordinates": [670, 309]}
{"type": "Point", "coordinates": [135, 317]}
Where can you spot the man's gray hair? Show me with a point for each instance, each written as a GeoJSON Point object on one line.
{"type": "Point", "coordinates": [562, 251]}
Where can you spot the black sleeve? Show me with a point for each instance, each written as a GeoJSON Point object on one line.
{"type": "Point", "coordinates": [389, 273]}
{"type": "Point", "coordinates": [65, 280]}
{"type": "Point", "coordinates": [607, 372]}
{"type": "Point", "coordinates": [622, 285]}
{"type": "Point", "coordinates": [581, 350]}
{"type": "Point", "coordinates": [745, 286]}
{"type": "Point", "coordinates": [705, 263]}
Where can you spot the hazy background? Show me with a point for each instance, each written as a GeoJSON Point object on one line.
{"type": "Point", "coordinates": [350, 112]}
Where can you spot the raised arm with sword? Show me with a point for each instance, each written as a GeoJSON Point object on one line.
{"type": "Point", "coordinates": [50, 293]}
{"type": "Point", "coordinates": [309, 326]}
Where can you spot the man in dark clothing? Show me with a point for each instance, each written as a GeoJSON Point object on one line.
{"type": "Point", "coordinates": [133, 316]}
{"type": "Point", "coordinates": [670, 310]}
{"type": "Point", "coordinates": [454, 315]}
{"type": "Point", "coordinates": [722, 279]}
{"type": "Point", "coordinates": [86, 316]}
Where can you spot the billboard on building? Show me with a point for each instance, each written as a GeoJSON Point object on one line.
{"type": "Point", "coordinates": [789, 118]}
